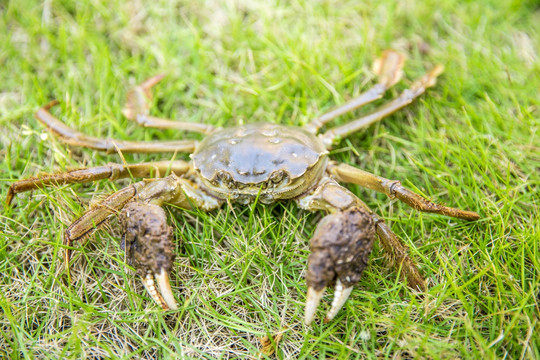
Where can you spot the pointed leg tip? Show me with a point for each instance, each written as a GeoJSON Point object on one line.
{"type": "Point", "coordinates": [389, 67]}
{"type": "Point", "coordinates": [50, 104]}
{"type": "Point", "coordinates": [437, 70]}
{"type": "Point", "coordinates": [473, 216]}
{"type": "Point", "coordinates": [390, 56]}
{"type": "Point", "coordinates": [67, 258]}
{"type": "Point", "coordinates": [148, 83]}
{"type": "Point", "coordinates": [9, 197]}
{"type": "Point", "coordinates": [431, 77]}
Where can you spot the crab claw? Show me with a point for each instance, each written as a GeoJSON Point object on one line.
{"type": "Point", "coordinates": [340, 251]}
{"type": "Point", "coordinates": [147, 242]}
{"type": "Point", "coordinates": [163, 294]}
{"type": "Point", "coordinates": [313, 298]}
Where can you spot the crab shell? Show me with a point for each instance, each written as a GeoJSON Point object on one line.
{"type": "Point", "coordinates": [268, 161]}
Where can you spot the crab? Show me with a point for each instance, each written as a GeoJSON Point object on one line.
{"type": "Point", "coordinates": [264, 161]}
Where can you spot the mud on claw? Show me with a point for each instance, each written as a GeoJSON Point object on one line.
{"type": "Point", "coordinates": [270, 162]}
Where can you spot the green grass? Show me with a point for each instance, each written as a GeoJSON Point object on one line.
{"type": "Point", "coordinates": [472, 142]}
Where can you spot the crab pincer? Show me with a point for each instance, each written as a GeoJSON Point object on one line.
{"type": "Point", "coordinates": [147, 240]}
{"type": "Point", "coordinates": [340, 250]}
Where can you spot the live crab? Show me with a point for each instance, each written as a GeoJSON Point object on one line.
{"type": "Point", "coordinates": [270, 162]}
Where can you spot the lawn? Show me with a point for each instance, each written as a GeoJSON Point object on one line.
{"type": "Point", "coordinates": [471, 142]}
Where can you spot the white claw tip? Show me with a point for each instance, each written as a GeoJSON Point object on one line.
{"type": "Point", "coordinates": [313, 298]}
{"type": "Point", "coordinates": [165, 289]}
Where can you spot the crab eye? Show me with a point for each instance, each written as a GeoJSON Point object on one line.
{"type": "Point", "coordinates": [277, 176]}
{"type": "Point", "coordinates": [224, 178]}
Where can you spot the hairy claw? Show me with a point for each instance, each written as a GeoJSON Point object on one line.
{"type": "Point", "coordinates": [340, 250]}
{"type": "Point", "coordinates": [148, 243]}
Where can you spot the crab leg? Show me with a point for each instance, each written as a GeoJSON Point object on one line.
{"type": "Point", "coordinates": [406, 97]}
{"type": "Point", "coordinates": [160, 123]}
{"type": "Point", "coordinates": [389, 70]}
{"type": "Point", "coordinates": [398, 255]}
{"type": "Point", "coordinates": [75, 138]}
{"type": "Point", "coordinates": [147, 238]}
{"type": "Point", "coordinates": [96, 216]}
{"type": "Point", "coordinates": [138, 104]}
{"type": "Point", "coordinates": [393, 189]}
{"type": "Point", "coordinates": [110, 171]}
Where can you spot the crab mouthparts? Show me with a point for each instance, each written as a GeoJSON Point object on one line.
{"type": "Point", "coordinates": [163, 293]}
